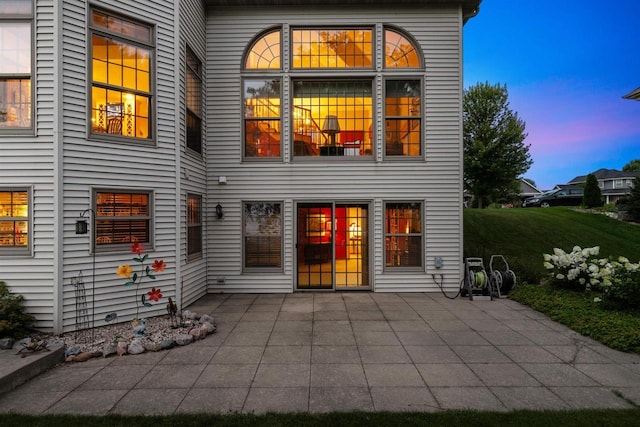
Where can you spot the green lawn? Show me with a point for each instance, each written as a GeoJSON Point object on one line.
{"type": "Point", "coordinates": [523, 235]}
{"type": "Point", "coordinates": [584, 418]}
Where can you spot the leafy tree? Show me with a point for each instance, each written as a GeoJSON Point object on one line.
{"type": "Point", "coordinates": [632, 202]}
{"type": "Point", "coordinates": [494, 152]}
{"type": "Point", "coordinates": [633, 165]}
{"type": "Point", "coordinates": [592, 197]}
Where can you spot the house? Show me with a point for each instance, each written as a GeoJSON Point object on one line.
{"type": "Point", "coordinates": [527, 189]}
{"type": "Point", "coordinates": [614, 184]}
{"type": "Point", "coordinates": [253, 146]}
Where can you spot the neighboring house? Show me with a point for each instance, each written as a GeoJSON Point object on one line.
{"type": "Point", "coordinates": [613, 184]}
{"type": "Point", "coordinates": [528, 190]}
{"type": "Point", "coordinates": [254, 146]}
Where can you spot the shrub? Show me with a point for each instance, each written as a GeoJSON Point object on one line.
{"type": "Point", "coordinates": [625, 288]}
{"type": "Point", "coordinates": [592, 195]}
{"type": "Point", "coordinates": [14, 322]}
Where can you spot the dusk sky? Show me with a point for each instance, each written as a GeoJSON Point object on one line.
{"type": "Point", "coordinates": [566, 64]}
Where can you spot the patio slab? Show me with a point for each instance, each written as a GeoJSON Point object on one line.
{"type": "Point", "coordinates": [325, 352]}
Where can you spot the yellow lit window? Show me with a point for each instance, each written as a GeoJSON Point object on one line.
{"type": "Point", "coordinates": [264, 53]}
{"type": "Point", "coordinates": [399, 52]}
{"type": "Point", "coordinates": [121, 95]}
{"type": "Point", "coordinates": [262, 118]}
{"type": "Point", "coordinates": [14, 220]}
{"type": "Point", "coordinates": [403, 122]}
{"type": "Point", "coordinates": [326, 48]}
{"type": "Point", "coordinates": [403, 234]}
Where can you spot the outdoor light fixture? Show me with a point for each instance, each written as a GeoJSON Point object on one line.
{"type": "Point", "coordinates": [81, 226]}
{"type": "Point", "coordinates": [219, 212]}
{"type": "Point", "coordinates": [331, 126]}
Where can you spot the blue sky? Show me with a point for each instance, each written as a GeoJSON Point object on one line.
{"type": "Point", "coordinates": [566, 64]}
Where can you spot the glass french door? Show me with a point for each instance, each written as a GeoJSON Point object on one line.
{"type": "Point", "coordinates": [332, 246]}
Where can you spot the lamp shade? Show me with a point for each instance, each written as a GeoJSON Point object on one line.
{"type": "Point", "coordinates": [331, 124]}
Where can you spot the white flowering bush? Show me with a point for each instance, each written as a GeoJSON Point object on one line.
{"type": "Point", "coordinates": [582, 269]}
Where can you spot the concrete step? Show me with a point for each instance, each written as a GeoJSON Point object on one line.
{"type": "Point", "coordinates": [17, 369]}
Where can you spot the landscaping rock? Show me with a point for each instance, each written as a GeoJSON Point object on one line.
{"type": "Point", "coordinates": [152, 345]}
{"type": "Point", "coordinates": [184, 339]}
{"type": "Point", "coordinates": [7, 343]}
{"type": "Point", "coordinates": [108, 350]}
{"type": "Point", "coordinates": [121, 348]}
{"type": "Point", "coordinates": [136, 347]}
{"type": "Point", "coordinates": [205, 318]}
{"type": "Point", "coordinates": [210, 327]}
{"type": "Point", "coordinates": [73, 351]}
{"type": "Point", "coordinates": [167, 344]}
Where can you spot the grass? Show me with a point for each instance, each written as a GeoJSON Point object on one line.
{"type": "Point", "coordinates": [581, 418]}
{"type": "Point", "coordinates": [523, 235]}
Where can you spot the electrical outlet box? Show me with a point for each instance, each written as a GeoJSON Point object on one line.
{"type": "Point", "coordinates": [437, 262]}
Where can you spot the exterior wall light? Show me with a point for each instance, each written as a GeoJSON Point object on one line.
{"type": "Point", "coordinates": [219, 212]}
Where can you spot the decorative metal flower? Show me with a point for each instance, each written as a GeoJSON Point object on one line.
{"type": "Point", "coordinates": [135, 278]}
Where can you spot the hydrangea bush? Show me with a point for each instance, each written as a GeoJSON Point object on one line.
{"type": "Point", "coordinates": [582, 269]}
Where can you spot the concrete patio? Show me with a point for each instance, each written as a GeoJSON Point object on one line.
{"type": "Point", "coordinates": [321, 352]}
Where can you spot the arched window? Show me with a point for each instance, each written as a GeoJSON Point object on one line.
{"type": "Point", "coordinates": [265, 52]}
{"type": "Point", "coordinates": [399, 52]}
{"type": "Point", "coordinates": [332, 116]}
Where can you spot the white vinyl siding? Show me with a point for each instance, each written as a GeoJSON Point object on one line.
{"type": "Point", "coordinates": [90, 164]}
{"type": "Point", "coordinates": [30, 161]}
{"type": "Point", "coordinates": [435, 178]}
{"type": "Point", "coordinates": [193, 271]}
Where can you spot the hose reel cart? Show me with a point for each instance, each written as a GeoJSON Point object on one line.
{"type": "Point", "coordinates": [501, 281]}
{"type": "Point", "coordinates": [476, 284]}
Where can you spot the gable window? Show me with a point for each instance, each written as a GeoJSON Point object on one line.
{"type": "Point", "coordinates": [15, 65]}
{"type": "Point", "coordinates": [331, 96]}
{"type": "Point", "coordinates": [122, 217]}
{"type": "Point", "coordinates": [14, 221]}
{"type": "Point", "coordinates": [121, 53]}
{"type": "Point", "coordinates": [194, 102]}
{"type": "Point", "coordinates": [262, 230]}
{"type": "Point", "coordinates": [403, 234]}
{"type": "Point", "coordinates": [194, 225]}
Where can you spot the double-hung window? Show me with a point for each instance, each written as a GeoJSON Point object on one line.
{"type": "Point", "coordinates": [15, 221]}
{"type": "Point", "coordinates": [16, 53]}
{"type": "Point", "coordinates": [121, 52]}
{"type": "Point", "coordinates": [332, 75]}
{"type": "Point", "coordinates": [122, 218]}
{"type": "Point", "coordinates": [194, 225]}
{"type": "Point", "coordinates": [262, 235]}
{"type": "Point", "coordinates": [194, 102]}
{"type": "Point", "coordinates": [403, 234]}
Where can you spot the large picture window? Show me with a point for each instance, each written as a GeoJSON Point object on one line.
{"type": "Point", "coordinates": [15, 65]}
{"type": "Point", "coordinates": [262, 235]}
{"type": "Point", "coordinates": [14, 221]}
{"type": "Point", "coordinates": [403, 235]}
{"type": "Point", "coordinates": [122, 217]}
{"type": "Point", "coordinates": [194, 102]}
{"type": "Point", "coordinates": [121, 76]}
{"type": "Point", "coordinates": [194, 225]}
{"type": "Point", "coordinates": [333, 117]}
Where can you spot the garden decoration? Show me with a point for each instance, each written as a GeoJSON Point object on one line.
{"type": "Point", "coordinates": [135, 278]}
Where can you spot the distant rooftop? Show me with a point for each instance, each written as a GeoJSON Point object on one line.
{"type": "Point", "coordinates": [605, 174]}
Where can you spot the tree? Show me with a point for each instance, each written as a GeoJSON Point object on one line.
{"type": "Point", "coordinates": [592, 197]}
{"type": "Point", "coordinates": [631, 203]}
{"type": "Point", "coordinates": [633, 165]}
{"type": "Point", "coordinates": [494, 151]}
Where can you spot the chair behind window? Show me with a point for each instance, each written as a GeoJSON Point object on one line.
{"type": "Point", "coordinates": [115, 126]}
